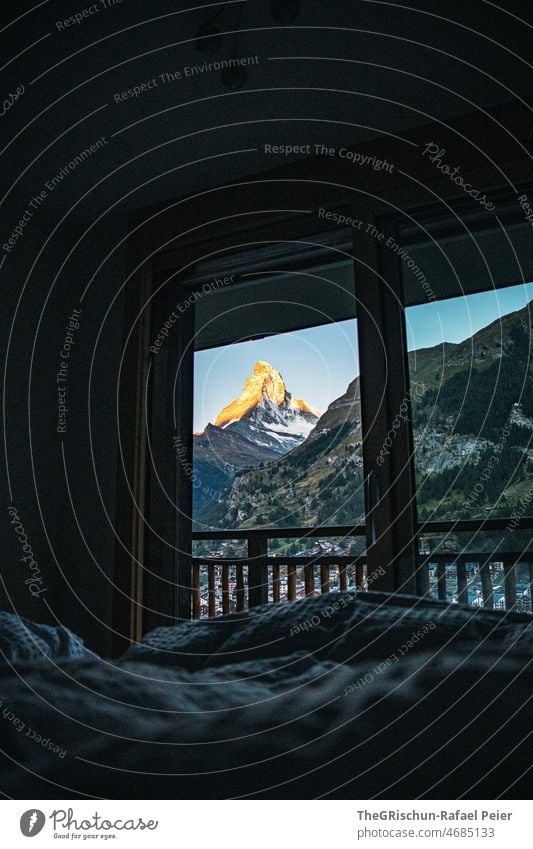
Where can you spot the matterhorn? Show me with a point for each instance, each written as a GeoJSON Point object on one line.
{"type": "Point", "coordinates": [267, 414]}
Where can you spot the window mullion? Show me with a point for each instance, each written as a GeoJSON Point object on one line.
{"type": "Point", "coordinates": [384, 396]}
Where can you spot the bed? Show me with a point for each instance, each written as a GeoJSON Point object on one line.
{"type": "Point", "coordinates": [338, 696]}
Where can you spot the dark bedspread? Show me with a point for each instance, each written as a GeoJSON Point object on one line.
{"type": "Point", "coordinates": [336, 696]}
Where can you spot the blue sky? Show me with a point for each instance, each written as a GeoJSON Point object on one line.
{"type": "Point", "coordinates": [318, 364]}
{"type": "Point", "coordinates": [458, 318]}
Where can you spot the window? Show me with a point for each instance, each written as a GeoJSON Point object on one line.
{"type": "Point", "coordinates": [278, 432]}
{"type": "Point", "coordinates": [277, 479]}
{"type": "Point", "coordinates": [469, 322]}
{"type": "Point", "coordinates": [471, 378]}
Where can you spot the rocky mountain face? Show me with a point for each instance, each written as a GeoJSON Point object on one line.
{"type": "Point", "coordinates": [262, 424]}
{"type": "Point", "coordinates": [346, 408]}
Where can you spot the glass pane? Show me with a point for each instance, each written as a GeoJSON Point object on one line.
{"type": "Point", "coordinates": [278, 431]}
{"type": "Point", "coordinates": [471, 386]}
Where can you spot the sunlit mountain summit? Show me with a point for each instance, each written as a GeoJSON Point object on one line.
{"type": "Point", "coordinates": [267, 413]}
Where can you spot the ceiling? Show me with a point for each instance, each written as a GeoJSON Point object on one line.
{"type": "Point", "coordinates": [341, 72]}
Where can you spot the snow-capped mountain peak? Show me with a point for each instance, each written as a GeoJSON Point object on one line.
{"type": "Point", "coordinates": [267, 414]}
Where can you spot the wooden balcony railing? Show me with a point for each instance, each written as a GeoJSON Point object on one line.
{"type": "Point", "coordinates": [222, 585]}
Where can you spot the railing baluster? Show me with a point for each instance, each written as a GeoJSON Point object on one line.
{"type": "Point", "coordinates": [239, 587]}
{"type": "Point", "coordinates": [211, 594]}
{"type": "Point", "coordinates": [324, 579]}
{"type": "Point", "coordinates": [275, 583]}
{"type": "Point", "coordinates": [486, 584]}
{"type": "Point", "coordinates": [343, 578]}
{"type": "Point", "coordinates": [359, 576]}
{"type": "Point", "coordinates": [225, 589]}
{"type": "Point", "coordinates": [257, 571]}
{"type": "Point", "coordinates": [422, 579]}
{"type": "Point", "coordinates": [510, 584]}
{"type": "Point", "coordinates": [462, 584]}
{"type": "Point", "coordinates": [196, 606]}
{"type": "Point", "coordinates": [309, 577]}
{"type": "Point", "coordinates": [441, 580]}
{"type": "Point", "coordinates": [291, 582]}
